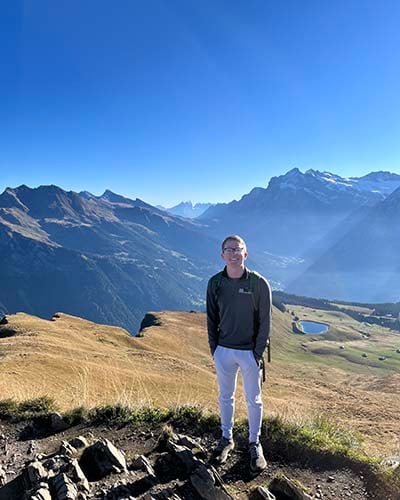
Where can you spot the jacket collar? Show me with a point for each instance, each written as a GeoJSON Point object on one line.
{"type": "Point", "coordinates": [244, 276]}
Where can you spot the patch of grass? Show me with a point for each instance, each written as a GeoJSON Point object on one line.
{"type": "Point", "coordinates": [8, 408]}
{"type": "Point", "coordinates": [320, 435]}
{"type": "Point", "coordinates": [193, 416]}
{"type": "Point", "coordinates": [43, 404]}
{"type": "Point", "coordinates": [27, 409]}
{"type": "Point", "coordinates": [76, 416]}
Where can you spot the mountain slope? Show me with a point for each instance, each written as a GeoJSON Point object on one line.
{"type": "Point", "coordinates": [364, 264]}
{"type": "Point", "coordinates": [78, 362]}
{"type": "Point", "coordinates": [106, 258]}
{"type": "Point", "coordinates": [296, 210]}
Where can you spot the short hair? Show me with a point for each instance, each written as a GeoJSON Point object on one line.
{"type": "Point", "coordinates": [234, 237]}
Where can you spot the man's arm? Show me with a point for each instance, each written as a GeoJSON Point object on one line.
{"type": "Point", "coordinates": [265, 315]}
{"type": "Point", "coordinates": [212, 319]}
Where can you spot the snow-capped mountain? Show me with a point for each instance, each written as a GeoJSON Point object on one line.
{"type": "Point", "coordinates": [187, 209]}
{"type": "Point", "coordinates": [297, 209]}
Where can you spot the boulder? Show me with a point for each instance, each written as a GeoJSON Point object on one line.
{"type": "Point", "coordinates": [265, 493]}
{"type": "Point", "coordinates": [143, 464]}
{"type": "Point", "coordinates": [43, 493]}
{"type": "Point", "coordinates": [184, 455]}
{"type": "Point", "coordinates": [101, 459]}
{"type": "Point", "coordinates": [79, 442]}
{"type": "Point", "coordinates": [67, 449]}
{"type": "Point", "coordinates": [64, 488]}
{"type": "Point", "coordinates": [74, 472]}
{"type": "Point", "coordinates": [192, 444]}
{"type": "Point", "coordinates": [34, 474]}
{"type": "Point", "coordinates": [282, 485]}
{"type": "Point", "coordinates": [203, 481]}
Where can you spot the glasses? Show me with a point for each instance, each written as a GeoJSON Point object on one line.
{"type": "Point", "coordinates": [230, 251]}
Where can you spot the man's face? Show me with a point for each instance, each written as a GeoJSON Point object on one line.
{"type": "Point", "coordinates": [234, 254]}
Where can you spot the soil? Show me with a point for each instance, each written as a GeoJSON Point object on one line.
{"type": "Point", "coordinates": [322, 477]}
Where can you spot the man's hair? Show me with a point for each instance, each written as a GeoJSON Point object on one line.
{"type": "Point", "coordinates": [234, 237]}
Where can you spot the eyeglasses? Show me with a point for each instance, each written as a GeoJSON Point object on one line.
{"type": "Point", "coordinates": [233, 250]}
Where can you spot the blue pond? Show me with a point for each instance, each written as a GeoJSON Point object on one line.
{"type": "Point", "coordinates": [313, 328]}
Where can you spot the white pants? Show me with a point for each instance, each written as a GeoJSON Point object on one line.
{"type": "Point", "coordinates": [227, 362]}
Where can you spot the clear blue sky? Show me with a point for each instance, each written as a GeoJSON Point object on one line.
{"type": "Point", "coordinates": [170, 100]}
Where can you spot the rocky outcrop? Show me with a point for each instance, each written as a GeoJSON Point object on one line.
{"type": "Point", "coordinates": [73, 474]}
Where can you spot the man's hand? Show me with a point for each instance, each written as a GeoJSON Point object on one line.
{"type": "Point", "coordinates": [257, 358]}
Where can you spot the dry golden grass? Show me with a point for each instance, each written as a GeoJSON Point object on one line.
{"type": "Point", "coordinates": [77, 362]}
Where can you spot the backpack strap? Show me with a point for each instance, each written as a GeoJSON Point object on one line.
{"type": "Point", "coordinates": [216, 285]}
{"type": "Point", "coordinates": [255, 287]}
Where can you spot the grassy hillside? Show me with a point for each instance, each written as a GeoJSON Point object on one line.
{"type": "Point", "coordinates": [77, 362]}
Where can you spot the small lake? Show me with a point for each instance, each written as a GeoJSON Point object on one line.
{"type": "Point", "coordinates": [313, 328]}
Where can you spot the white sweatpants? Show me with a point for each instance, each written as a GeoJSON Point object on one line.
{"type": "Point", "coordinates": [227, 363]}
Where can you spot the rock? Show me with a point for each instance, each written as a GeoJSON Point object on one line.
{"type": "Point", "coordinates": [67, 449]}
{"type": "Point", "coordinates": [391, 462]}
{"type": "Point", "coordinates": [382, 358]}
{"type": "Point", "coordinates": [4, 320]}
{"type": "Point", "coordinates": [64, 488]}
{"type": "Point", "coordinates": [34, 474]}
{"type": "Point", "coordinates": [79, 442]}
{"type": "Point", "coordinates": [265, 493]}
{"type": "Point", "coordinates": [74, 472]}
{"type": "Point", "coordinates": [184, 455]}
{"type": "Point", "coordinates": [3, 476]}
{"type": "Point", "coordinates": [101, 459]}
{"type": "Point", "coordinates": [364, 355]}
{"type": "Point", "coordinates": [142, 463]}
{"type": "Point", "coordinates": [282, 485]}
{"type": "Point", "coordinates": [203, 481]}
{"type": "Point", "coordinates": [43, 493]}
{"type": "Point", "coordinates": [192, 444]}
{"type": "Point", "coordinates": [57, 423]}
{"type": "Point", "coordinates": [342, 347]}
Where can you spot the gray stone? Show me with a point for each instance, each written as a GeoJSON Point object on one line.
{"type": "Point", "coordinates": [142, 463]}
{"type": "Point", "coordinates": [43, 493]}
{"type": "Point", "coordinates": [282, 485]}
{"type": "Point", "coordinates": [184, 455]}
{"type": "Point", "coordinates": [74, 472]}
{"type": "Point", "coordinates": [203, 481]}
{"type": "Point", "coordinates": [391, 462]}
{"type": "Point", "coordinates": [79, 442]}
{"type": "Point", "coordinates": [67, 449]}
{"type": "Point", "coordinates": [34, 474]}
{"type": "Point", "coordinates": [64, 488]}
{"type": "Point", "coordinates": [3, 476]}
{"type": "Point", "coordinates": [101, 459]}
{"type": "Point", "coordinates": [265, 493]}
{"type": "Point", "coordinates": [191, 443]}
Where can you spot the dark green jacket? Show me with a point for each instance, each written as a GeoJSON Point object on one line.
{"type": "Point", "coordinates": [231, 318]}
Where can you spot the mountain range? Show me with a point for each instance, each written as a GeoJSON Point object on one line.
{"type": "Point", "coordinates": [187, 209]}
{"type": "Point", "coordinates": [297, 209]}
{"type": "Point", "coordinates": [107, 258]}
{"type": "Point", "coordinates": [110, 259]}
{"type": "Point", "coordinates": [363, 262]}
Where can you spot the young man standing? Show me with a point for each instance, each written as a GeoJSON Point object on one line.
{"type": "Point", "coordinates": [239, 323]}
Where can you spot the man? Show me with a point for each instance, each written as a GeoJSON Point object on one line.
{"type": "Point", "coordinates": [238, 331]}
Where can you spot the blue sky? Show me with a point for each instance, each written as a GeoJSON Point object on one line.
{"type": "Point", "coordinates": [171, 100]}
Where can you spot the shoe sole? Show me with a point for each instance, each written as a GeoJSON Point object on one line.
{"type": "Point", "coordinates": [255, 472]}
